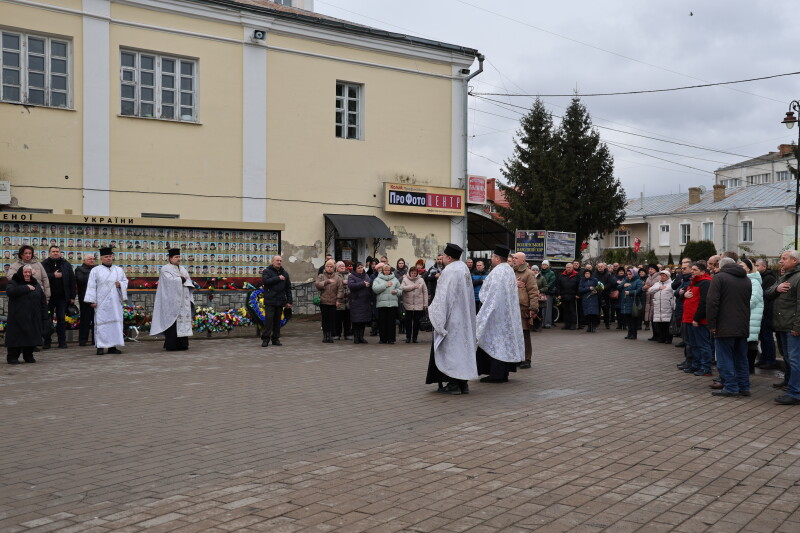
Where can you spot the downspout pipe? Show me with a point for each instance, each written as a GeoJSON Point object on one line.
{"type": "Point", "coordinates": [481, 59]}
{"type": "Point", "coordinates": [725, 230]}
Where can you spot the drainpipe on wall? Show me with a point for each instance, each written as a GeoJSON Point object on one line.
{"type": "Point", "coordinates": [725, 230]}
{"type": "Point", "coordinates": [481, 58]}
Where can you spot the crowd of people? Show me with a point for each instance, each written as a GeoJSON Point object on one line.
{"type": "Point", "coordinates": [727, 312]}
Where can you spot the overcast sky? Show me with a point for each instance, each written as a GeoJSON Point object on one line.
{"type": "Point", "coordinates": [531, 48]}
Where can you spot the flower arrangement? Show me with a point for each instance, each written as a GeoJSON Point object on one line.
{"type": "Point", "coordinates": [255, 303]}
{"type": "Point", "coordinates": [135, 315]}
{"type": "Point", "coordinates": [597, 289]}
{"type": "Point", "coordinates": [206, 319]}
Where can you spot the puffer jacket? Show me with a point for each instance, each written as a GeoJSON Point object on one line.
{"type": "Point", "coordinates": [589, 299]}
{"type": "Point", "coordinates": [756, 306]}
{"type": "Point", "coordinates": [344, 303]}
{"type": "Point", "coordinates": [330, 293]}
{"type": "Point", "coordinates": [383, 291]}
{"type": "Point", "coordinates": [630, 293]}
{"type": "Point", "coordinates": [38, 272]}
{"type": "Point", "coordinates": [415, 294]}
{"type": "Point", "coordinates": [662, 300]}
{"type": "Point", "coordinates": [651, 280]}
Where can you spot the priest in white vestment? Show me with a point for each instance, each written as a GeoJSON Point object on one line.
{"type": "Point", "coordinates": [499, 332]}
{"type": "Point", "coordinates": [106, 292]}
{"type": "Point", "coordinates": [173, 312]}
{"type": "Point", "coordinates": [452, 314]}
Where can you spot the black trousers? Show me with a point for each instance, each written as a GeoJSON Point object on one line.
{"type": "Point", "coordinates": [272, 322]}
{"type": "Point", "coordinates": [605, 308]}
{"type": "Point", "coordinates": [57, 306]}
{"type": "Point", "coordinates": [173, 343]}
{"type": "Point", "coordinates": [26, 351]}
{"type": "Point", "coordinates": [569, 308]}
{"type": "Point", "coordinates": [634, 323]}
{"type": "Point", "coordinates": [495, 368]}
{"type": "Point", "coordinates": [86, 324]}
{"type": "Point", "coordinates": [412, 323]}
{"type": "Point", "coordinates": [343, 326]}
{"type": "Point", "coordinates": [386, 318]}
{"type": "Point", "coordinates": [328, 318]}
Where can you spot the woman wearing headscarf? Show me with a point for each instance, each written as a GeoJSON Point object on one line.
{"type": "Point", "coordinates": [27, 315]}
{"type": "Point", "coordinates": [25, 256]}
{"type": "Point", "coordinates": [662, 300]}
{"type": "Point", "coordinates": [343, 306]}
{"type": "Point", "coordinates": [360, 288]}
{"type": "Point", "coordinates": [400, 271]}
{"type": "Point", "coordinates": [616, 302]}
{"type": "Point", "coordinates": [631, 290]}
{"type": "Point", "coordinates": [387, 290]}
{"type": "Point", "coordinates": [756, 312]}
{"type": "Point", "coordinates": [651, 279]}
{"type": "Point", "coordinates": [331, 292]}
{"type": "Point", "coordinates": [590, 301]}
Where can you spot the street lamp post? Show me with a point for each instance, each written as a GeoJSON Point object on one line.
{"type": "Point", "coordinates": [790, 120]}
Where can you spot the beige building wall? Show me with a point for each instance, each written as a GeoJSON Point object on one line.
{"type": "Point", "coordinates": [40, 147]}
{"type": "Point", "coordinates": [411, 125]}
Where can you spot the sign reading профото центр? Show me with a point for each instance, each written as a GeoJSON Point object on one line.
{"type": "Point", "coordinates": [424, 200]}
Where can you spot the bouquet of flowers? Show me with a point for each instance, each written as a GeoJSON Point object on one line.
{"type": "Point", "coordinates": [597, 289]}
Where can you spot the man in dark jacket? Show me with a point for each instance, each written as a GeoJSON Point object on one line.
{"type": "Point", "coordinates": [766, 335]}
{"type": "Point", "coordinates": [550, 290]}
{"type": "Point", "coordinates": [679, 286]}
{"type": "Point", "coordinates": [728, 313]}
{"type": "Point", "coordinates": [62, 293]}
{"type": "Point", "coordinates": [277, 295]}
{"type": "Point", "coordinates": [87, 311]}
{"type": "Point", "coordinates": [785, 295]}
{"type": "Point", "coordinates": [567, 285]}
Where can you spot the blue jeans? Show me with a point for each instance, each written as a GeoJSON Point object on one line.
{"type": "Point", "coordinates": [699, 341]}
{"type": "Point", "coordinates": [791, 345]}
{"type": "Point", "coordinates": [767, 338]}
{"type": "Point", "coordinates": [732, 363]}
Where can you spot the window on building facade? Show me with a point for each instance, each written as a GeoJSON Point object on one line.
{"type": "Point", "coordinates": [731, 182]}
{"type": "Point", "coordinates": [782, 175]}
{"type": "Point", "coordinates": [757, 179]}
{"type": "Point", "coordinates": [348, 110]}
{"type": "Point", "coordinates": [747, 231]}
{"type": "Point", "coordinates": [154, 86]}
{"type": "Point", "coordinates": [35, 70]}
{"type": "Point", "coordinates": [686, 233]}
{"type": "Point", "coordinates": [708, 231]}
{"type": "Point", "coordinates": [622, 239]}
{"type": "Point", "coordinates": [663, 235]}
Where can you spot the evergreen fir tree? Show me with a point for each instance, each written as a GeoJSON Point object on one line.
{"type": "Point", "coordinates": [561, 179]}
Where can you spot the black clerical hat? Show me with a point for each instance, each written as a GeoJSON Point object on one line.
{"type": "Point", "coordinates": [106, 251]}
{"type": "Point", "coordinates": [173, 251]}
{"type": "Point", "coordinates": [453, 250]}
{"type": "Point", "coordinates": [502, 251]}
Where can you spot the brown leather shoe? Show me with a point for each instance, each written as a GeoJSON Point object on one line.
{"type": "Point", "coordinates": [716, 386]}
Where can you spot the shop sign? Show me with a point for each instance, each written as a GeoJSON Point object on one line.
{"type": "Point", "coordinates": [424, 200]}
{"type": "Point", "coordinates": [476, 190]}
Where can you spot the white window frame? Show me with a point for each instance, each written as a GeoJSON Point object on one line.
{"type": "Point", "coordinates": [26, 87]}
{"type": "Point", "coordinates": [757, 179]}
{"type": "Point", "coordinates": [686, 232]}
{"type": "Point", "coordinates": [746, 234]}
{"type": "Point", "coordinates": [731, 182]}
{"type": "Point", "coordinates": [343, 128]}
{"type": "Point", "coordinates": [708, 231]}
{"type": "Point", "coordinates": [663, 235]}
{"type": "Point", "coordinates": [622, 238]}
{"type": "Point", "coordinates": [782, 175]}
{"type": "Point", "coordinates": [134, 98]}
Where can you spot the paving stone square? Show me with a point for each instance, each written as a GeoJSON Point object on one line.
{"type": "Point", "coordinates": [602, 434]}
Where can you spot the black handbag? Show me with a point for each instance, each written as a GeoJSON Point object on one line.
{"type": "Point", "coordinates": [72, 310]}
{"type": "Point", "coordinates": [425, 322]}
{"type": "Point", "coordinates": [636, 307]}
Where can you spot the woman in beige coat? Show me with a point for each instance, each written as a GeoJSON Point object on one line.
{"type": "Point", "coordinates": [415, 301]}
{"type": "Point", "coordinates": [25, 257]}
{"type": "Point", "coordinates": [331, 292]}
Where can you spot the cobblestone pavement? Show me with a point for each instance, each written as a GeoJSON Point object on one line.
{"type": "Point", "coordinates": [602, 434]}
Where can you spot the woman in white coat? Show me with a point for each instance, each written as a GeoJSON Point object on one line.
{"type": "Point", "coordinates": [662, 303]}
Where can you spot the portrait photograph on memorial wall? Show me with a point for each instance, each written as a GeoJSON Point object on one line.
{"type": "Point", "coordinates": [142, 250]}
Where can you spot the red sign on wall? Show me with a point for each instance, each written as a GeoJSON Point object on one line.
{"type": "Point", "coordinates": [476, 190]}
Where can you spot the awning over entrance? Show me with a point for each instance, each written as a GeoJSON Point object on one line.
{"type": "Point", "coordinates": [485, 232]}
{"type": "Point", "coordinates": [359, 227]}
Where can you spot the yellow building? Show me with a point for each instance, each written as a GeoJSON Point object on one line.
{"type": "Point", "coordinates": [229, 111]}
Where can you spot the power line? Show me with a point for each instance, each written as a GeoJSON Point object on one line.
{"type": "Point", "coordinates": [643, 92]}
{"type": "Point", "coordinates": [522, 22]}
